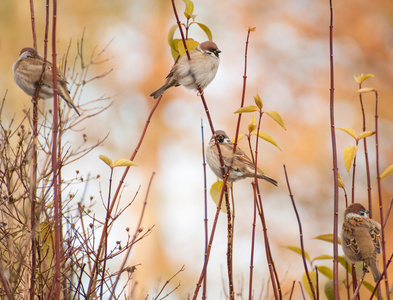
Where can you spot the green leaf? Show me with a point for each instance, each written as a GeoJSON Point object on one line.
{"type": "Point", "coordinates": [329, 290]}
{"type": "Point", "coordinates": [349, 156]}
{"type": "Point", "coordinates": [106, 160]}
{"type": "Point", "coordinates": [247, 109]}
{"type": "Point", "coordinates": [189, 7]}
{"type": "Point", "coordinates": [387, 171]}
{"type": "Point", "coordinates": [123, 162]}
{"type": "Point", "coordinates": [299, 251]}
{"type": "Point", "coordinates": [267, 138]}
{"type": "Point", "coordinates": [350, 131]}
{"type": "Point", "coordinates": [206, 30]}
{"type": "Point", "coordinates": [327, 238]}
{"type": "Point", "coordinates": [258, 101]}
{"type": "Point", "coordinates": [306, 284]}
{"type": "Point", "coordinates": [365, 134]}
{"type": "Point", "coordinates": [360, 78]}
{"type": "Point", "coordinates": [326, 271]}
{"type": "Point", "coordinates": [252, 125]}
{"type": "Point", "coordinates": [215, 192]}
{"type": "Point", "coordinates": [276, 117]}
{"type": "Point", "coordinates": [365, 90]}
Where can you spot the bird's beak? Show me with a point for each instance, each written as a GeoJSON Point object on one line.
{"type": "Point", "coordinates": [216, 52]}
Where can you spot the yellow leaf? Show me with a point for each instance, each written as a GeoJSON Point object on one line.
{"type": "Point", "coordinates": [360, 78]}
{"type": "Point", "coordinates": [365, 134]}
{"type": "Point", "coordinates": [247, 109]}
{"type": "Point", "coordinates": [189, 7]}
{"type": "Point", "coordinates": [123, 162]}
{"type": "Point", "coordinates": [299, 251]}
{"type": "Point", "coordinates": [251, 125]}
{"type": "Point", "coordinates": [326, 271]}
{"type": "Point", "coordinates": [171, 41]}
{"type": "Point", "coordinates": [191, 45]}
{"type": "Point", "coordinates": [250, 28]}
{"type": "Point", "coordinates": [206, 30]}
{"type": "Point", "coordinates": [387, 171]}
{"type": "Point", "coordinates": [365, 90]}
{"type": "Point", "coordinates": [276, 117]}
{"type": "Point", "coordinates": [327, 238]}
{"type": "Point", "coordinates": [215, 193]}
{"type": "Point", "coordinates": [341, 183]}
{"type": "Point", "coordinates": [258, 101]}
{"type": "Point", "coordinates": [350, 131]}
{"type": "Point", "coordinates": [106, 160]}
{"type": "Point", "coordinates": [329, 289]}
{"type": "Point", "coordinates": [306, 284]}
{"type": "Point", "coordinates": [349, 156]}
{"type": "Point", "coordinates": [267, 138]}
{"type": "Point", "coordinates": [239, 137]}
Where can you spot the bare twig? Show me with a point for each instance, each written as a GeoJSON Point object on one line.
{"type": "Point", "coordinates": [381, 214]}
{"type": "Point", "coordinates": [204, 287]}
{"type": "Point", "coordinates": [388, 212]}
{"type": "Point", "coordinates": [166, 283]}
{"type": "Point", "coordinates": [300, 234]}
{"type": "Point", "coordinates": [334, 152]}
{"type": "Point", "coordinates": [257, 197]}
{"type": "Point", "coordinates": [366, 155]}
{"type": "Point", "coordinates": [356, 292]}
{"type": "Point", "coordinates": [382, 275]}
{"type": "Point", "coordinates": [134, 237]}
{"type": "Point", "coordinates": [55, 164]}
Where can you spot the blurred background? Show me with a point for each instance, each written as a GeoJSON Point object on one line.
{"type": "Point", "coordinates": [288, 66]}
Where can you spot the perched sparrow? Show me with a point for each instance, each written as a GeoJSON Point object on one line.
{"type": "Point", "coordinates": [199, 71]}
{"type": "Point", "coordinates": [360, 238]}
{"type": "Point", "coordinates": [27, 73]}
{"type": "Point", "coordinates": [242, 166]}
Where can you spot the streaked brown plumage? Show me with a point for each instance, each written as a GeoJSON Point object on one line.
{"type": "Point", "coordinates": [27, 73]}
{"type": "Point", "coordinates": [242, 166]}
{"type": "Point", "coordinates": [200, 70]}
{"type": "Point", "coordinates": [360, 238]}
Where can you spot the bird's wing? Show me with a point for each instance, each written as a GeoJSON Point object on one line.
{"type": "Point", "coordinates": [49, 69]}
{"type": "Point", "coordinates": [376, 237]}
{"type": "Point", "coordinates": [242, 158]}
{"type": "Point", "coordinates": [349, 227]}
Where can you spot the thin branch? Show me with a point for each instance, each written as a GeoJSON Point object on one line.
{"type": "Point", "coordinates": [366, 155]}
{"type": "Point", "coordinates": [334, 152]}
{"type": "Point", "coordinates": [300, 234]}
{"type": "Point", "coordinates": [204, 287]}
{"type": "Point", "coordinates": [381, 214]}
{"type": "Point", "coordinates": [356, 292]}
{"type": "Point", "coordinates": [137, 230]}
{"type": "Point", "coordinates": [55, 164]}
{"type": "Point", "coordinates": [166, 283]}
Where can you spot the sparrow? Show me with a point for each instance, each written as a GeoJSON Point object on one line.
{"type": "Point", "coordinates": [360, 238]}
{"type": "Point", "coordinates": [200, 70]}
{"type": "Point", "coordinates": [27, 73]}
{"type": "Point", "coordinates": [242, 166]}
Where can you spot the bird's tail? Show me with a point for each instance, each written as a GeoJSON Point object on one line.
{"type": "Point", "coordinates": [71, 105]}
{"type": "Point", "coordinates": [375, 271]}
{"type": "Point", "coordinates": [159, 92]}
{"type": "Point", "coordinates": [267, 178]}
